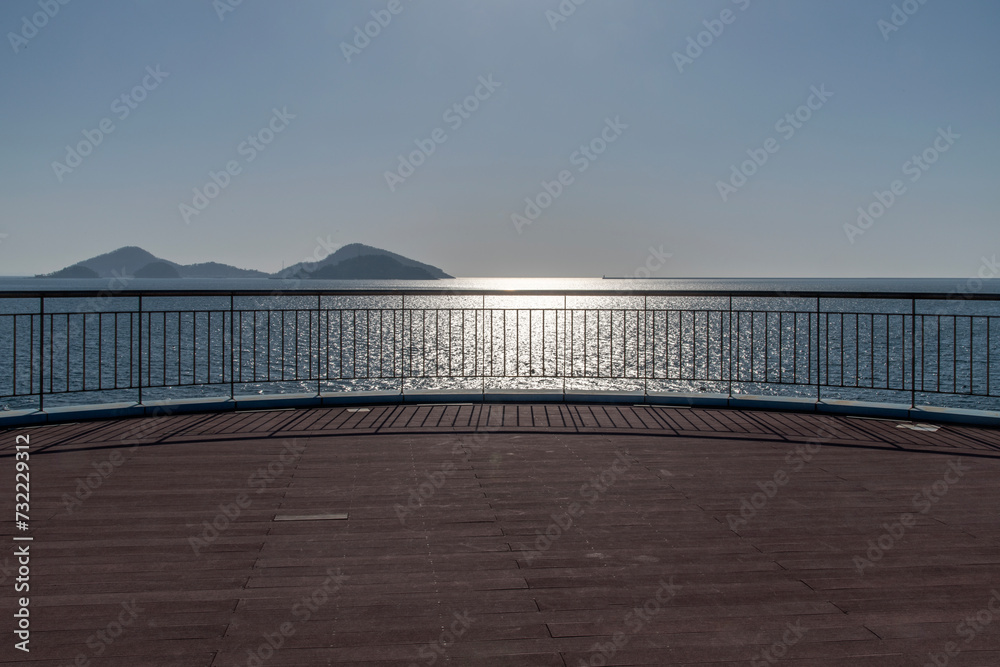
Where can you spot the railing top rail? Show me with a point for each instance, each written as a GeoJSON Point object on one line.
{"type": "Point", "coordinates": [807, 294]}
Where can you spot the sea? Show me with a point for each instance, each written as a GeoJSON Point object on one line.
{"type": "Point", "coordinates": [577, 335]}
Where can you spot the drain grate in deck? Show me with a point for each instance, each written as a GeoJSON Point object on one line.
{"type": "Point", "coordinates": [336, 516]}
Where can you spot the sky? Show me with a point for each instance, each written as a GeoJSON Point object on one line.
{"type": "Point", "coordinates": [709, 138]}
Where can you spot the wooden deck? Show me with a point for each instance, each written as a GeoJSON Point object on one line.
{"type": "Point", "coordinates": [697, 536]}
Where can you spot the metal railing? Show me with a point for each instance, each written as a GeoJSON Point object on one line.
{"type": "Point", "coordinates": [906, 346]}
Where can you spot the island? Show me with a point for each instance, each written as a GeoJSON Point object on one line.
{"type": "Point", "coordinates": [355, 261]}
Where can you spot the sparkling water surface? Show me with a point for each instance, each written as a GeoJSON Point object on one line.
{"type": "Point", "coordinates": [625, 342]}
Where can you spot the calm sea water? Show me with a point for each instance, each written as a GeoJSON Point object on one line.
{"type": "Point", "coordinates": [535, 338]}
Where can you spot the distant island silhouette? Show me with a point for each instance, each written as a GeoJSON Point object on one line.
{"type": "Point", "coordinates": [354, 261]}
{"type": "Point", "coordinates": [366, 260]}
{"type": "Point", "coordinates": [75, 271]}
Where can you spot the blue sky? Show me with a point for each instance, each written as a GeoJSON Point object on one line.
{"type": "Point", "coordinates": [556, 87]}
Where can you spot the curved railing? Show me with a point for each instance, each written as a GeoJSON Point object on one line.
{"type": "Point", "coordinates": [84, 347]}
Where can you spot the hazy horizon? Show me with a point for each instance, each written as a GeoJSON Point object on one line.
{"type": "Point", "coordinates": [987, 264]}
{"type": "Point", "coordinates": [622, 122]}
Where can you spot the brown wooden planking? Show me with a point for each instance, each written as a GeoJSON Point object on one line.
{"type": "Point", "coordinates": [649, 523]}
{"type": "Point", "coordinates": [718, 422]}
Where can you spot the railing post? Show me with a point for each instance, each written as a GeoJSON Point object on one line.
{"type": "Point", "coordinates": [819, 390]}
{"type": "Point", "coordinates": [41, 352]}
{"type": "Point", "coordinates": [483, 355]}
{"type": "Point", "coordinates": [913, 353]}
{"type": "Point", "coordinates": [232, 351]}
{"type": "Point", "coordinates": [402, 338]}
{"type": "Point", "coordinates": [565, 344]}
{"type": "Point", "coordinates": [140, 349]}
{"type": "Point", "coordinates": [645, 350]}
{"type": "Point", "coordinates": [730, 347]}
{"type": "Point", "coordinates": [319, 345]}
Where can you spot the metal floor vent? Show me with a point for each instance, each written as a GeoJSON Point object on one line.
{"type": "Point", "coordinates": [359, 409]}
{"type": "Point", "coordinates": [919, 427]}
{"type": "Point", "coordinates": [336, 516]}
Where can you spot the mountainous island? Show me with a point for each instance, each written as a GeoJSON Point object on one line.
{"type": "Point", "coordinates": [354, 261]}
